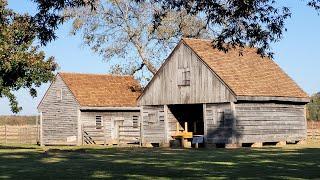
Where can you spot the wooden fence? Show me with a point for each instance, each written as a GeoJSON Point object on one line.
{"type": "Point", "coordinates": [92, 135]}
{"type": "Point", "coordinates": [27, 134]}
{"type": "Point", "coordinates": [314, 130]}
{"type": "Point", "coordinates": [125, 135]}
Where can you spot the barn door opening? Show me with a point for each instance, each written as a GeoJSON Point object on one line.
{"type": "Point", "coordinates": [190, 113]}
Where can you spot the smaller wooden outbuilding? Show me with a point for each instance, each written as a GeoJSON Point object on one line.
{"type": "Point", "coordinates": [90, 109]}
{"type": "Point", "coordinates": [223, 97]}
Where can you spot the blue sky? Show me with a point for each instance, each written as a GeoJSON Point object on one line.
{"type": "Point", "coordinates": [298, 53]}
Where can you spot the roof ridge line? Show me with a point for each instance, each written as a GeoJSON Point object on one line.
{"type": "Point", "coordinates": [94, 74]}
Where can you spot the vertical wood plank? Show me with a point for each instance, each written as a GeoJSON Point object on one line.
{"type": "Point", "coordinates": [41, 129]}
{"type": "Point", "coordinates": [5, 132]}
{"type": "Point", "coordinates": [79, 127]}
{"type": "Point", "coordinates": [166, 121]}
{"type": "Point", "coordinates": [205, 123]}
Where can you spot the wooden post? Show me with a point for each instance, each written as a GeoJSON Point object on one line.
{"type": "Point", "coordinates": [118, 134]}
{"type": "Point", "coordinates": [166, 125]}
{"type": "Point", "coordinates": [82, 135]}
{"type": "Point", "coordinates": [79, 137]}
{"type": "Point", "coordinates": [37, 130]}
{"type": "Point", "coordinates": [234, 119]}
{"type": "Point", "coordinates": [5, 133]}
{"type": "Point", "coordinates": [140, 132]}
{"type": "Point", "coordinates": [185, 126]}
{"type": "Point", "coordinates": [141, 127]}
{"type": "Point", "coordinates": [104, 134]}
{"type": "Point", "coordinates": [205, 129]}
{"type": "Point", "coordinates": [41, 129]}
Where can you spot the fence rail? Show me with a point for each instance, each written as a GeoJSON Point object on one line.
{"type": "Point", "coordinates": [28, 134]}
{"type": "Point", "coordinates": [103, 135]}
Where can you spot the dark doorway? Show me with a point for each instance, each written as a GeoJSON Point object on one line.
{"type": "Point", "coordinates": [190, 113]}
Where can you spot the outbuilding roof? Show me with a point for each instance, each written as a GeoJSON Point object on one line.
{"type": "Point", "coordinates": [246, 75]}
{"type": "Point", "coordinates": [103, 90]}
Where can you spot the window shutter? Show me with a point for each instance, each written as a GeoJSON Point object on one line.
{"type": "Point", "coordinates": [135, 121]}
{"type": "Point", "coordinates": [98, 122]}
{"type": "Point", "coordinates": [184, 76]}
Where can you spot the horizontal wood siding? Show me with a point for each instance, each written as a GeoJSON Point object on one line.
{"type": "Point", "coordinates": [269, 122]}
{"type": "Point", "coordinates": [126, 131]}
{"type": "Point", "coordinates": [59, 116]}
{"type": "Point", "coordinates": [204, 86]}
{"type": "Point", "coordinates": [220, 123]}
{"type": "Point", "coordinates": [152, 128]}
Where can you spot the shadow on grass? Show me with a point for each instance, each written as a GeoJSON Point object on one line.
{"type": "Point", "coordinates": [17, 147]}
{"type": "Point", "coordinates": [139, 163]}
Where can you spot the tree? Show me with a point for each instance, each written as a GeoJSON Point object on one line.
{"type": "Point", "coordinates": [122, 29]}
{"type": "Point", "coordinates": [313, 108]}
{"type": "Point", "coordinates": [254, 23]}
{"type": "Point", "coordinates": [49, 16]}
{"type": "Point", "coordinates": [22, 65]}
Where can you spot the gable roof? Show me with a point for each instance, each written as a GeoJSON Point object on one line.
{"type": "Point", "coordinates": [247, 75]}
{"type": "Point", "coordinates": [102, 90]}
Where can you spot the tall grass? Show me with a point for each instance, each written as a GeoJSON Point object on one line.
{"type": "Point", "coordinates": [18, 120]}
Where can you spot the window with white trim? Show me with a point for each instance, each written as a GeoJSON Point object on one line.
{"type": "Point", "coordinates": [98, 122]}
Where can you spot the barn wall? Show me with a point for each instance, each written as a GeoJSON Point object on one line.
{"type": "Point", "coordinates": [172, 124]}
{"type": "Point", "coordinates": [153, 130]}
{"type": "Point", "coordinates": [59, 117]}
{"type": "Point", "coordinates": [220, 123]}
{"type": "Point", "coordinates": [204, 86]}
{"type": "Point", "coordinates": [269, 122]}
{"type": "Point", "coordinates": [88, 119]}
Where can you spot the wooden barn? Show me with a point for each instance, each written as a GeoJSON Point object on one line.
{"type": "Point", "coordinates": [90, 109]}
{"type": "Point", "coordinates": [201, 94]}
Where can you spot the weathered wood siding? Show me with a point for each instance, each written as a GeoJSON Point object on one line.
{"type": "Point", "coordinates": [127, 133]}
{"type": "Point", "coordinates": [59, 116]}
{"type": "Point", "coordinates": [204, 86]}
{"type": "Point", "coordinates": [269, 122]}
{"type": "Point", "coordinates": [254, 122]}
{"type": "Point", "coordinates": [220, 123]}
{"type": "Point", "coordinates": [153, 128]}
{"type": "Point", "coordinates": [172, 124]}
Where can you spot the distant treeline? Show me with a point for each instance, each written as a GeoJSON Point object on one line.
{"type": "Point", "coordinates": [18, 120]}
{"type": "Point", "coordinates": [313, 108]}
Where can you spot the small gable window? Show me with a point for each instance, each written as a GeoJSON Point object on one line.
{"type": "Point", "coordinates": [98, 122]}
{"type": "Point", "coordinates": [184, 77]}
{"type": "Point", "coordinates": [59, 94]}
{"type": "Point", "coordinates": [135, 121]}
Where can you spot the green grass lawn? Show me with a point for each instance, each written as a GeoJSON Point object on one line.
{"type": "Point", "coordinates": [31, 162]}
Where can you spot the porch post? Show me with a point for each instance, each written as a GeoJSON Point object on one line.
{"type": "Point", "coordinates": [142, 143]}
{"type": "Point", "coordinates": [205, 127]}
{"type": "Point", "coordinates": [79, 134]}
{"type": "Point", "coordinates": [166, 124]}
{"type": "Point", "coordinates": [41, 130]}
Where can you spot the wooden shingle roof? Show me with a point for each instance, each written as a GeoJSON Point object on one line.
{"type": "Point", "coordinates": [99, 90]}
{"type": "Point", "coordinates": [247, 75]}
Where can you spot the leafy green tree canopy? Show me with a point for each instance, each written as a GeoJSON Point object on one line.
{"type": "Point", "coordinates": [22, 65]}
{"type": "Point", "coordinates": [313, 108]}
{"type": "Point", "coordinates": [254, 23]}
